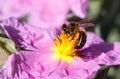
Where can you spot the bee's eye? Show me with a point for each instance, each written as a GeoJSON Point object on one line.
{"type": "Point", "coordinates": [64, 27]}
{"type": "Point", "coordinates": [72, 26]}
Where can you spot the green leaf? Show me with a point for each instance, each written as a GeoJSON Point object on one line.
{"type": "Point", "coordinates": [7, 47]}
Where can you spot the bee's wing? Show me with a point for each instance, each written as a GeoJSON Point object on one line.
{"type": "Point", "coordinates": [86, 25]}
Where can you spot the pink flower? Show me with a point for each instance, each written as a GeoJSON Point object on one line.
{"type": "Point", "coordinates": [40, 60]}
{"type": "Point", "coordinates": [43, 12]}
{"type": "Point", "coordinates": [16, 8]}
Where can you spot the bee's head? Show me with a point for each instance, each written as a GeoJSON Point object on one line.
{"type": "Point", "coordinates": [65, 28]}
{"type": "Point", "coordinates": [70, 28]}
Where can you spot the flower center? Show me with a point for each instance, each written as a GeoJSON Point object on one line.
{"type": "Point", "coordinates": [64, 47]}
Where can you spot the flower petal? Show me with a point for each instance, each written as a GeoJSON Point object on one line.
{"type": "Point", "coordinates": [103, 53]}
{"type": "Point", "coordinates": [83, 69]}
{"type": "Point", "coordinates": [49, 13]}
{"type": "Point", "coordinates": [25, 35]}
{"type": "Point", "coordinates": [79, 7]}
{"type": "Point", "coordinates": [27, 65]}
{"type": "Point", "coordinates": [78, 69]}
{"type": "Point", "coordinates": [92, 38]}
{"type": "Point", "coordinates": [12, 8]}
{"type": "Point", "coordinates": [40, 65]}
{"type": "Point", "coordinates": [111, 57]}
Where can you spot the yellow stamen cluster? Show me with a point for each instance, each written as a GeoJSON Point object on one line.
{"type": "Point", "coordinates": [64, 47]}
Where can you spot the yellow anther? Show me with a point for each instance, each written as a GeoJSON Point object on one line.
{"type": "Point", "coordinates": [64, 47]}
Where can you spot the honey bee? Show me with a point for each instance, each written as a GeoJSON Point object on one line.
{"type": "Point", "coordinates": [73, 28]}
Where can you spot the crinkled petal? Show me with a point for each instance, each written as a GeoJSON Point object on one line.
{"type": "Point", "coordinates": [103, 53]}
{"type": "Point", "coordinates": [28, 65]}
{"type": "Point", "coordinates": [110, 54]}
{"type": "Point", "coordinates": [78, 69]}
{"type": "Point", "coordinates": [83, 69]}
{"type": "Point", "coordinates": [79, 7]}
{"type": "Point", "coordinates": [40, 65]}
{"type": "Point", "coordinates": [25, 35]}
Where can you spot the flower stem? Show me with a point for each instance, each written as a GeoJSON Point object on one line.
{"type": "Point", "coordinates": [103, 73]}
{"type": "Point", "coordinates": [106, 72]}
